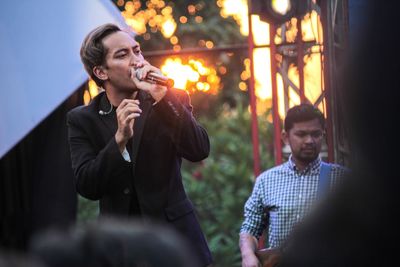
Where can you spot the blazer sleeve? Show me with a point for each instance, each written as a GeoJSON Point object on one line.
{"type": "Point", "coordinates": [93, 167]}
{"type": "Point", "coordinates": [191, 140]}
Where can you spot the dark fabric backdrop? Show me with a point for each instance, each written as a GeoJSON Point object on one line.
{"type": "Point", "coordinates": [36, 180]}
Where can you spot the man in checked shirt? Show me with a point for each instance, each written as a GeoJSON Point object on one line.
{"type": "Point", "coordinates": [284, 194]}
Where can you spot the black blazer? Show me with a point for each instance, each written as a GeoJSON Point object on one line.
{"type": "Point", "coordinates": [163, 135]}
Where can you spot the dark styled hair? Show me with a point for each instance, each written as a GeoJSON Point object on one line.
{"type": "Point", "coordinates": [113, 242]}
{"type": "Point", "coordinates": [93, 52]}
{"type": "Point", "coordinates": [13, 258]}
{"type": "Point", "coordinates": [301, 113]}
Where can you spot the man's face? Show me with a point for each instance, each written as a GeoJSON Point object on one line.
{"type": "Point", "coordinates": [305, 139]}
{"type": "Point", "coordinates": [123, 54]}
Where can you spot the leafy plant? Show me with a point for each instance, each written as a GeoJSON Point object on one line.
{"type": "Point", "coordinates": [220, 185]}
{"type": "Point", "coordinates": [88, 210]}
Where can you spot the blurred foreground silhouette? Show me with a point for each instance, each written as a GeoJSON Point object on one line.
{"type": "Point", "coordinates": [113, 243]}
{"type": "Point", "coordinates": [356, 226]}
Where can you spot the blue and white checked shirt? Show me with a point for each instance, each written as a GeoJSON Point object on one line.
{"type": "Point", "coordinates": [286, 195]}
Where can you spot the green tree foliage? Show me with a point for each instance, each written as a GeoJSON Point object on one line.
{"type": "Point", "coordinates": [88, 210]}
{"type": "Point", "coordinates": [221, 184]}
{"type": "Point", "coordinates": [212, 26]}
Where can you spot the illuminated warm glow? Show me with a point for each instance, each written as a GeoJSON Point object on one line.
{"type": "Point", "coordinates": [168, 28]}
{"type": "Point", "coordinates": [294, 97]}
{"type": "Point", "coordinates": [191, 76]}
{"type": "Point", "coordinates": [243, 86]}
{"type": "Point", "coordinates": [130, 7]}
{"type": "Point", "coordinates": [191, 9]}
{"type": "Point", "coordinates": [238, 10]}
{"type": "Point", "coordinates": [180, 73]}
{"type": "Point", "coordinates": [287, 87]}
{"type": "Point", "coordinates": [86, 97]}
{"type": "Point", "coordinates": [262, 73]}
{"type": "Point", "coordinates": [138, 24]}
{"type": "Point", "coordinates": [312, 27]}
{"type": "Point", "coordinates": [312, 77]}
{"type": "Point", "coordinates": [176, 48]}
{"type": "Point", "coordinates": [167, 11]}
{"type": "Point", "coordinates": [157, 16]}
{"type": "Point", "coordinates": [195, 75]}
{"type": "Point", "coordinates": [313, 74]}
{"type": "Point", "coordinates": [247, 72]}
{"type": "Point", "coordinates": [174, 40]}
{"type": "Point", "coordinates": [183, 19]}
{"type": "Point", "coordinates": [312, 84]}
{"type": "Point", "coordinates": [260, 31]}
{"type": "Point", "coordinates": [93, 89]}
{"type": "Point", "coordinates": [281, 6]}
{"type": "Point", "coordinates": [152, 23]}
{"type": "Point", "coordinates": [209, 44]}
{"type": "Point", "coordinates": [212, 78]}
{"type": "Point", "coordinates": [263, 106]}
{"type": "Point", "coordinates": [244, 76]}
{"type": "Point", "coordinates": [205, 87]}
{"type": "Point", "coordinates": [200, 86]}
{"type": "Point", "coordinates": [270, 118]}
{"type": "Point", "coordinates": [281, 96]}
{"type": "Point", "coordinates": [198, 19]}
{"type": "Point", "coordinates": [222, 70]}
{"type": "Point", "coordinates": [291, 31]}
{"type": "Point", "coordinates": [92, 92]}
{"type": "Point", "coordinates": [199, 67]}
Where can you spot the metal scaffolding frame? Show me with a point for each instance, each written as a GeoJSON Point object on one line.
{"type": "Point", "coordinates": [334, 18]}
{"type": "Point", "coordinates": [335, 23]}
{"type": "Point", "coordinates": [333, 14]}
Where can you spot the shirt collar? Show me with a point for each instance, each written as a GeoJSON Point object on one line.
{"type": "Point", "coordinates": [312, 167]}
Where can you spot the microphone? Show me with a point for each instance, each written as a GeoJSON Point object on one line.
{"type": "Point", "coordinates": [153, 77]}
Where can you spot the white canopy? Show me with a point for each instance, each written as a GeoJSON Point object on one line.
{"type": "Point", "coordinates": [40, 65]}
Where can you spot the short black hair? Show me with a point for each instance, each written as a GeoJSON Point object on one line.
{"type": "Point", "coordinates": [301, 113]}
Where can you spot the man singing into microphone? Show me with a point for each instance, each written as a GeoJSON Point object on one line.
{"type": "Point", "coordinates": [127, 145]}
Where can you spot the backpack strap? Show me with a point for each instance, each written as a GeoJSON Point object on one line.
{"type": "Point", "coordinates": [324, 179]}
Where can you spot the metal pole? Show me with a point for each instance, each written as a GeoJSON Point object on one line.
{"type": "Point", "coordinates": [253, 103]}
{"type": "Point", "coordinates": [300, 60]}
{"type": "Point", "coordinates": [199, 50]}
{"type": "Point", "coordinates": [326, 18]}
{"type": "Point", "coordinates": [253, 108]}
{"type": "Point", "coordinates": [275, 108]}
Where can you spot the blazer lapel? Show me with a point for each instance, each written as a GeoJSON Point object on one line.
{"type": "Point", "coordinates": [146, 103]}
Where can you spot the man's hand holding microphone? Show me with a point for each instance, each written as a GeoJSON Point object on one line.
{"type": "Point", "coordinates": [149, 78]}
